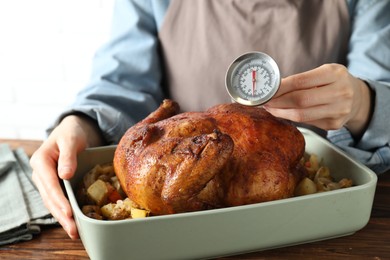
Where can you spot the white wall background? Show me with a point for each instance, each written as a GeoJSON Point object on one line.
{"type": "Point", "coordinates": [46, 49]}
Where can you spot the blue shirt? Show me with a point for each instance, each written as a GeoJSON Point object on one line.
{"type": "Point", "coordinates": [125, 84]}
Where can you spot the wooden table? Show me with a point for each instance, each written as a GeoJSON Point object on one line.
{"type": "Point", "coordinates": [372, 242]}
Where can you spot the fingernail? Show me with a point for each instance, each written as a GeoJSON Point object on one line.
{"type": "Point", "coordinates": [64, 171]}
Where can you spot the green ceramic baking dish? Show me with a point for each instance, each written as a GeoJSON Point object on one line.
{"type": "Point", "coordinates": [235, 230]}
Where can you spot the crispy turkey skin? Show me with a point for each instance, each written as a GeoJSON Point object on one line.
{"type": "Point", "coordinates": [229, 155]}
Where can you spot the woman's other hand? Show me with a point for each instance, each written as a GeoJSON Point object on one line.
{"type": "Point", "coordinates": [57, 158]}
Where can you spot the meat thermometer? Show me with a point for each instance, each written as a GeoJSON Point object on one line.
{"type": "Point", "coordinates": [252, 79]}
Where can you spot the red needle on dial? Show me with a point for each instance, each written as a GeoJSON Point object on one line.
{"type": "Point", "coordinates": [253, 82]}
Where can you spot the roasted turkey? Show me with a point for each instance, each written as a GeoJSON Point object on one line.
{"type": "Point", "coordinates": [229, 155]}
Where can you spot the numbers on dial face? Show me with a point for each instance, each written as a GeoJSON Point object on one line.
{"type": "Point", "coordinates": [253, 79]}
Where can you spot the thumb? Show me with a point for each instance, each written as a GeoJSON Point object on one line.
{"type": "Point", "coordinates": [67, 160]}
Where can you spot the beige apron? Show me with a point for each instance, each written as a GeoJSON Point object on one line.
{"type": "Point", "coordinates": [200, 38]}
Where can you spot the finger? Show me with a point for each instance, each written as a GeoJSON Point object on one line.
{"type": "Point", "coordinates": [54, 199]}
{"type": "Point", "coordinates": [308, 97]}
{"type": "Point", "coordinates": [313, 78]}
{"type": "Point", "coordinates": [46, 175]}
{"type": "Point", "coordinates": [67, 160]}
{"type": "Point", "coordinates": [46, 179]}
{"type": "Point", "coordinates": [325, 124]}
{"type": "Point", "coordinates": [331, 116]}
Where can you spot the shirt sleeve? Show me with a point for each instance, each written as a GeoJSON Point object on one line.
{"type": "Point", "coordinates": [369, 60]}
{"type": "Point", "coordinates": [125, 84]}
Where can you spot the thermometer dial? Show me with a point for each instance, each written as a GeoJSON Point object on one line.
{"type": "Point", "coordinates": [253, 79]}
